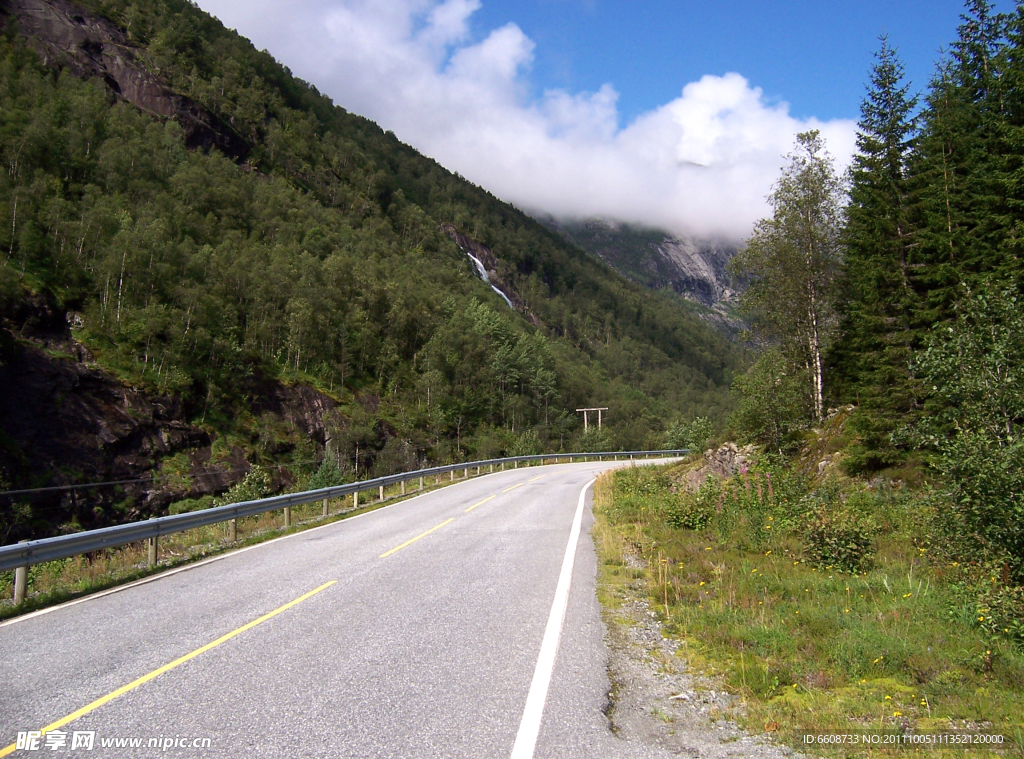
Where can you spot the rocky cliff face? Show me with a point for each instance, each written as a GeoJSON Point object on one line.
{"type": "Point", "coordinates": [64, 420]}
{"type": "Point", "coordinates": [69, 37]}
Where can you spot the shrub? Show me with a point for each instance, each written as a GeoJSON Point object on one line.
{"type": "Point", "coordinates": [1001, 612]}
{"type": "Point", "coordinates": [329, 474]}
{"type": "Point", "coordinates": [190, 504]}
{"type": "Point", "coordinates": [694, 435]}
{"type": "Point", "coordinates": [256, 485]}
{"type": "Point", "coordinates": [840, 539]}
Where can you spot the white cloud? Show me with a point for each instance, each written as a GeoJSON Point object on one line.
{"type": "Point", "coordinates": [701, 164]}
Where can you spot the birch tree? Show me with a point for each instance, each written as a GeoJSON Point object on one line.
{"type": "Point", "coordinates": [792, 262]}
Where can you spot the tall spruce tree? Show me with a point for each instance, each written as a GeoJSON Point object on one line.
{"type": "Point", "coordinates": [961, 210]}
{"type": "Point", "coordinates": [873, 358]}
{"type": "Point", "coordinates": [1011, 175]}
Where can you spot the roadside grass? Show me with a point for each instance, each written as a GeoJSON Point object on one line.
{"type": "Point", "coordinates": [895, 644]}
{"type": "Point", "coordinates": [55, 582]}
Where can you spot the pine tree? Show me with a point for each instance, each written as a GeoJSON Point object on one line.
{"type": "Point", "coordinates": [873, 359]}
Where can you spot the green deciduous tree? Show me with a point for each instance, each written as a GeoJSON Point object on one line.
{"type": "Point", "coordinates": [976, 367]}
{"type": "Point", "coordinates": [770, 401]}
{"type": "Point", "coordinates": [793, 261]}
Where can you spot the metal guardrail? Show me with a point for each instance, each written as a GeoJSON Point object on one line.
{"type": "Point", "coordinates": [31, 552]}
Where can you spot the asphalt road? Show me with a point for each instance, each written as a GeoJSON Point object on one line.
{"type": "Point", "coordinates": [425, 648]}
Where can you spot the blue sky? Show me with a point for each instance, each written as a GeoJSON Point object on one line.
{"type": "Point", "coordinates": [814, 55]}
{"type": "Point", "coordinates": [675, 115]}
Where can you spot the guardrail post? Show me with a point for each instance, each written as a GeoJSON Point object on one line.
{"type": "Point", "coordinates": [421, 482]}
{"type": "Point", "coordinates": [151, 546]}
{"type": "Point", "coordinates": [20, 582]}
{"type": "Point", "coordinates": [503, 466]}
{"type": "Point", "coordinates": [327, 509]}
{"type": "Point", "coordinates": [515, 464]}
{"type": "Point", "coordinates": [232, 530]}
{"type": "Point", "coordinates": [492, 468]}
{"type": "Point", "coordinates": [465, 472]}
{"type": "Point", "coordinates": [380, 493]}
{"type": "Point", "coordinates": [453, 475]}
{"type": "Point", "coordinates": [287, 517]}
{"type": "Point", "coordinates": [403, 487]}
{"type": "Point", "coordinates": [355, 499]}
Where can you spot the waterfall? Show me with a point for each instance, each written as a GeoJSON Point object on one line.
{"type": "Point", "coordinates": [481, 270]}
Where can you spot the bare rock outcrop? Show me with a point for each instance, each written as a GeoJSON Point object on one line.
{"type": "Point", "coordinates": [722, 462]}
{"type": "Point", "coordinates": [69, 37]}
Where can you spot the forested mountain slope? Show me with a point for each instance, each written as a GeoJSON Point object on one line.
{"type": "Point", "coordinates": [208, 265]}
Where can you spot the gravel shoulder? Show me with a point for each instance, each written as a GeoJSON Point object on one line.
{"type": "Point", "coordinates": [658, 701]}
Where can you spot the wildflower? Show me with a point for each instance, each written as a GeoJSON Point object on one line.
{"type": "Point", "coordinates": [897, 714]}
{"type": "Point", "coordinates": [907, 595]}
{"type": "Point", "coordinates": [767, 526]}
{"type": "Point", "coordinates": [768, 553]}
{"type": "Point", "coordinates": [846, 611]}
{"type": "Point", "coordinates": [702, 582]}
{"type": "Point", "coordinates": [887, 698]}
{"type": "Point", "coordinates": [981, 619]}
{"type": "Point", "coordinates": [708, 548]}
{"type": "Point", "coordinates": [924, 702]}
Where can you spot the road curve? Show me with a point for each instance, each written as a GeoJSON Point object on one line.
{"type": "Point", "coordinates": [410, 631]}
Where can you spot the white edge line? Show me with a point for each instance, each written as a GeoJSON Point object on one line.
{"type": "Point", "coordinates": [529, 726]}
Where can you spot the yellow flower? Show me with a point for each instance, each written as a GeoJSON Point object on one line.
{"type": "Point", "coordinates": [768, 553]}
{"type": "Point", "coordinates": [846, 611]}
{"type": "Point", "coordinates": [897, 714]}
{"type": "Point", "coordinates": [887, 698]}
{"type": "Point", "coordinates": [702, 582]}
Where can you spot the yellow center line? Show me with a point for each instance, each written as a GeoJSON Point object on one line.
{"type": "Point", "coordinates": [513, 487]}
{"type": "Point", "coordinates": [168, 667]}
{"type": "Point", "coordinates": [541, 477]}
{"type": "Point", "coordinates": [421, 535]}
{"type": "Point", "coordinates": [485, 500]}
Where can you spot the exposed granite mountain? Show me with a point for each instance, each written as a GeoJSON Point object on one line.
{"type": "Point", "coordinates": [695, 269]}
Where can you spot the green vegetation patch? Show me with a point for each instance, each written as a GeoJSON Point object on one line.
{"type": "Point", "coordinates": [822, 607]}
